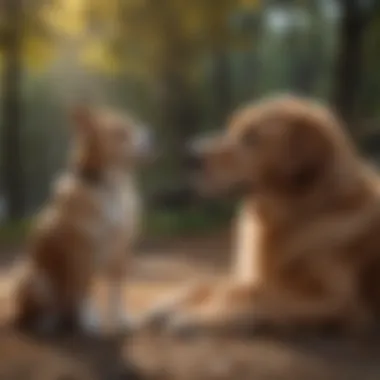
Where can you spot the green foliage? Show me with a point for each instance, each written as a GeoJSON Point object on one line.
{"type": "Point", "coordinates": [197, 221]}
{"type": "Point", "coordinates": [161, 223]}
{"type": "Point", "coordinates": [370, 97]}
{"type": "Point", "coordinates": [13, 233]}
{"type": "Point", "coordinates": [181, 66]}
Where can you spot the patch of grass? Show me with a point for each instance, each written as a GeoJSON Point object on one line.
{"type": "Point", "coordinates": [160, 223]}
{"type": "Point", "coordinates": [14, 232]}
{"type": "Point", "coordinates": [186, 222]}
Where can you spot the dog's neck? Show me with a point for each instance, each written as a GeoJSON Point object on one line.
{"type": "Point", "coordinates": [99, 177]}
{"type": "Point", "coordinates": [92, 177]}
{"type": "Point", "coordinates": [344, 188]}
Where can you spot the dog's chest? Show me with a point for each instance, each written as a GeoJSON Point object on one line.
{"type": "Point", "coordinates": [119, 221]}
{"type": "Point", "coordinates": [120, 207]}
{"type": "Point", "coordinates": [247, 265]}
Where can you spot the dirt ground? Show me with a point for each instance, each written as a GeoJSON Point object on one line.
{"type": "Point", "coordinates": [160, 267]}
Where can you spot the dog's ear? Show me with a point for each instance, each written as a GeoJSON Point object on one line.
{"type": "Point", "coordinates": [306, 152]}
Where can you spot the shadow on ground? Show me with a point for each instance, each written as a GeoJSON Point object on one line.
{"type": "Point", "coordinates": [258, 359]}
{"type": "Point", "coordinates": [153, 356]}
{"type": "Point", "coordinates": [69, 358]}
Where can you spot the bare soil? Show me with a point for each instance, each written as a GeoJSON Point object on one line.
{"type": "Point", "coordinates": [160, 267]}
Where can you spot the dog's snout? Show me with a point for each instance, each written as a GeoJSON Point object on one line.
{"type": "Point", "coordinates": [194, 161]}
{"type": "Point", "coordinates": [197, 151]}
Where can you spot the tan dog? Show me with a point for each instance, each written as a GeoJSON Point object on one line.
{"type": "Point", "coordinates": [308, 244]}
{"type": "Point", "coordinates": [90, 222]}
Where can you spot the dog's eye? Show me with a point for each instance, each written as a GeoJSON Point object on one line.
{"type": "Point", "coordinates": [249, 138]}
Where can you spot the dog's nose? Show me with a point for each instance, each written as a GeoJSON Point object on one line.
{"type": "Point", "coordinates": [194, 161]}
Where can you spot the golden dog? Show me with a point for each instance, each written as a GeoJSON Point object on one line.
{"type": "Point", "coordinates": [308, 236]}
{"type": "Point", "coordinates": [90, 222]}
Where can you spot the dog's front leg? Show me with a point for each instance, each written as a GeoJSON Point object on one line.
{"type": "Point", "coordinates": [228, 307]}
{"type": "Point", "coordinates": [187, 297]}
{"type": "Point", "coordinates": [116, 313]}
{"type": "Point", "coordinates": [279, 306]}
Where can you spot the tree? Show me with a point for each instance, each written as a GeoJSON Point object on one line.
{"type": "Point", "coordinates": [25, 42]}
{"type": "Point", "coordinates": [177, 36]}
{"type": "Point", "coordinates": [11, 161]}
{"type": "Point", "coordinates": [27, 33]}
{"type": "Point", "coordinates": [370, 94]}
{"type": "Point", "coordinates": [355, 17]}
{"type": "Point", "coordinates": [163, 44]}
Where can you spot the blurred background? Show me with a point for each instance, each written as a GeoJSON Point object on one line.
{"type": "Point", "coordinates": [181, 66]}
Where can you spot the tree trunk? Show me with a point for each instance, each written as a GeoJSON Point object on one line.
{"type": "Point", "coordinates": [349, 64]}
{"type": "Point", "coordinates": [179, 117]}
{"type": "Point", "coordinates": [222, 86]}
{"type": "Point", "coordinates": [12, 165]}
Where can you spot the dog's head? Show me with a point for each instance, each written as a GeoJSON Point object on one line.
{"type": "Point", "coordinates": [105, 139]}
{"type": "Point", "coordinates": [285, 145]}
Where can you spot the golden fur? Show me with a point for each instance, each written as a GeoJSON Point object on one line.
{"type": "Point", "coordinates": [308, 243]}
{"type": "Point", "coordinates": [89, 222]}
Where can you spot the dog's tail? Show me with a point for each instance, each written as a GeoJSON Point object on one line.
{"type": "Point", "coordinates": [25, 293]}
